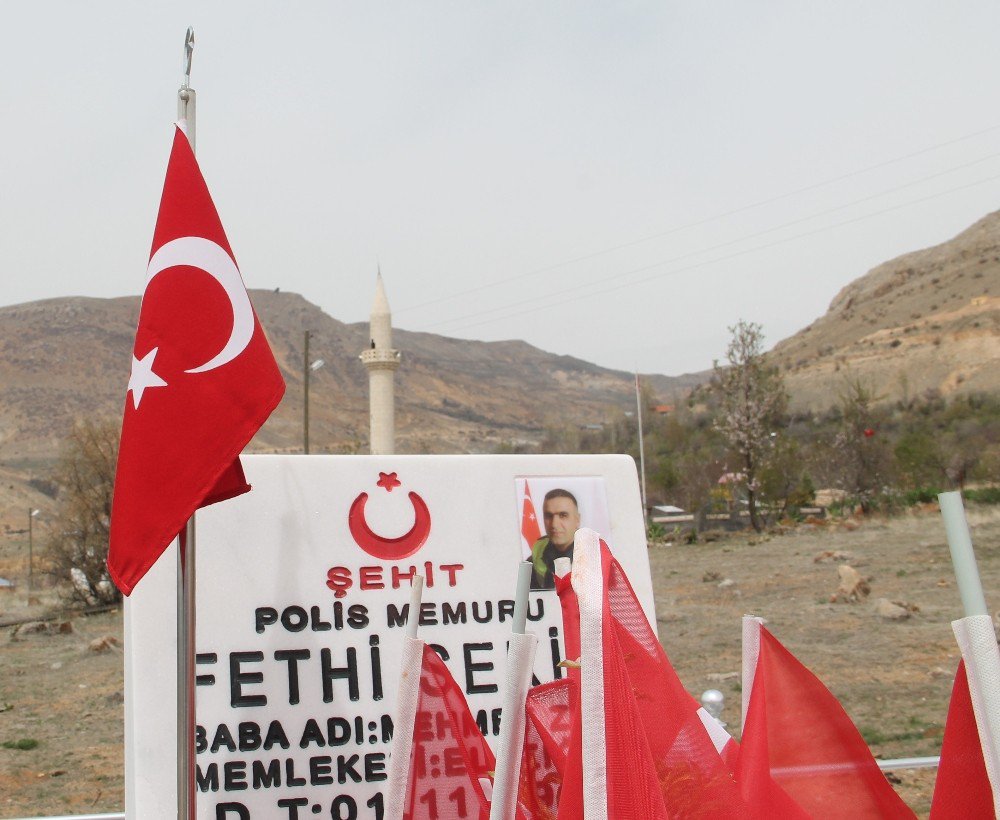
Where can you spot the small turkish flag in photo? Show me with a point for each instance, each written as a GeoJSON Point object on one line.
{"type": "Point", "coordinates": [203, 378]}
{"type": "Point", "coordinates": [530, 530]}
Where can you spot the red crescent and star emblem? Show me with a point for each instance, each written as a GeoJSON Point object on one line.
{"type": "Point", "coordinates": [378, 546]}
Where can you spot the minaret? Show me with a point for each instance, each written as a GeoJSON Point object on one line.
{"type": "Point", "coordinates": [381, 362]}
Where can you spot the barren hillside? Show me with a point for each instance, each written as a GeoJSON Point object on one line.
{"type": "Point", "coordinates": [66, 359]}
{"type": "Point", "coordinates": [929, 320]}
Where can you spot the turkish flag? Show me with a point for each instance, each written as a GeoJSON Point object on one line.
{"type": "Point", "coordinates": [203, 378]}
{"type": "Point", "coordinates": [529, 520]}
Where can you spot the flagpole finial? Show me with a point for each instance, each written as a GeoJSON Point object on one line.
{"type": "Point", "coordinates": [188, 55]}
{"type": "Point", "coordinates": [186, 102]}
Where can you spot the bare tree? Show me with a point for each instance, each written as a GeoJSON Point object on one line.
{"type": "Point", "coordinates": [752, 400]}
{"type": "Point", "coordinates": [77, 547]}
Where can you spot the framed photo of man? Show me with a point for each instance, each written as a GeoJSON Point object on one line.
{"type": "Point", "coordinates": [551, 510]}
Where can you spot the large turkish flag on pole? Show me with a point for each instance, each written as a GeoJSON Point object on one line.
{"type": "Point", "coordinates": [203, 378]}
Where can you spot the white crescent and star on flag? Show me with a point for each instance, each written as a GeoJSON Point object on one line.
{"type": "Point", "coordinates": [143, 377]}
{"type": "Point", "coordinates": [209, 256]}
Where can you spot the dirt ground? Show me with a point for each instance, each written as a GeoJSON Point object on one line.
{"type": "Point", "coordinates": [68, 698]}
{"type": "Point", "coordinates": [893, 677]}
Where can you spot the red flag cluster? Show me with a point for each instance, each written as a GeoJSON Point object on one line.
{"type": "Point", "coordinates": [619, 738]}
{"type": "Point", "coordinates": [643, 750]}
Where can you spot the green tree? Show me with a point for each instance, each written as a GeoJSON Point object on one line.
{"type": "Point", "coordinates": [861, 444]}
{"type": "Point", "coordinates": [752, 401]}
{"type": "Point", "coordinates": [784, 481]}
{"type": "Point", "coordinates": [919, 461]}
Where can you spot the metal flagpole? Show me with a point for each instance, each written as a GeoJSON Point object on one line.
{"type": "Point", "coordinates": [186, 621]}
{"type": "Point", "coordinates": [642, 450]}
{"type": "Point", "coordinates": [186, 631]}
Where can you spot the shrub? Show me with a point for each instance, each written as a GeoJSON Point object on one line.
{"type": "Point", "coordinates": [984, 495]}
{"type": "Point", "coordinates": [22, 745]}
{"type": "Point", "coordinates": [921, 495]}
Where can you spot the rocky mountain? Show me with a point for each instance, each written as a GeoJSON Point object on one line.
{"type": "Point", "coordinates": [67, 359]}
{"type": "Point", "coordinates": [926, 321]}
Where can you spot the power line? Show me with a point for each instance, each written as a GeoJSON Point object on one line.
{"type": "Point", "coordinates": [562, 299]}
{"type": "Point", "coordinates": [731, 242]}
{"type": "Point", "coordinates": [697, 223]}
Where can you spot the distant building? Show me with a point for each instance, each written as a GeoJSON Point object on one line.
{"type": "Point", "coordinates": [669, 514]}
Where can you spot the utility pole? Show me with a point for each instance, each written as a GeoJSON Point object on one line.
{"type": "Point", "coordinates": [307, 368]}
{"type": "Point", "coordinates": [642, 449]}
{"type": "Point", "coordinates": [305, 406]}
{"type": "Point", "coordinates": [31, 551]}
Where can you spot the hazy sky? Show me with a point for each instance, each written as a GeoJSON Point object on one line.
{"type": "Point", "coordinates": [617, 181]}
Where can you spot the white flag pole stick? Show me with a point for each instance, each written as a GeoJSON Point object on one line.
{"type": "Point", "coordinates": [962, 555]}
{"type": "Point", "coordinates": [520, 661]}
{"type": "Point", "coordinates": [977, 640]}
{"type": "Point", "coordinates": [411, 663]}
{"type": "Point", "coordinates": [976, 635]}
{"type": "Point", "coordinates": [186, 603]}
{"type": "Point", "coordinates": [751, 651]}
{"type": "Point", "coordinates": [521, 598]}
{"type": "Point", "coordinates": [413, 613]}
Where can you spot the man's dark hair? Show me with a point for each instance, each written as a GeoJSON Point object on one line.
{"type": "Point", "coordinates": [559, 492]}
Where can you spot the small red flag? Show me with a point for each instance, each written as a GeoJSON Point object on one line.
{"type": "Point", "coordinates": [447, 763]}
{"type": "Point", "coordinates": [203, 378]}
{"type": "Point", "coordinates": [549, 735]}
{"type": "Point", "coordinates": [800, 755]}
{"type": "Point", "coordinates": [962, 788]}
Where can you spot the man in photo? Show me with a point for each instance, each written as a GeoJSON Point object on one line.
{"type": "Point", "coordinates": [561, 516]}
